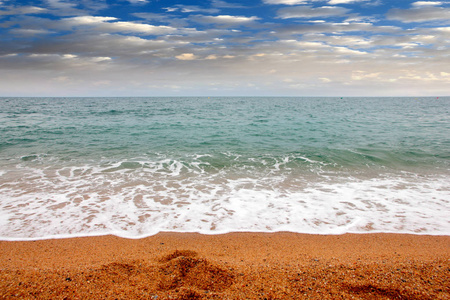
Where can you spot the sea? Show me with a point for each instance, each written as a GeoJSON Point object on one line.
{"type": "Point", "coordinates": [133, 167]}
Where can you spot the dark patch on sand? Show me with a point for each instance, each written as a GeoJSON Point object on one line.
{"type": "Point", "coordinates": [180, 271]}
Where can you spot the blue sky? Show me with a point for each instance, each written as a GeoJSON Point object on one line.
{"type": "Point", "coordinates": [224, 48]}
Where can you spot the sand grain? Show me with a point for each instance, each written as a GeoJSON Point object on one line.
{"type": "Point", "coordinates": [230, 266]}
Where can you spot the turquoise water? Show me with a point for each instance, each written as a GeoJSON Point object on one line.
{"type": "Point", "coordinates": [137, 166]}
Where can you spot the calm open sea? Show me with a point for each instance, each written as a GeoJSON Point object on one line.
{"type": "Point", "coordinates": [136, 166]}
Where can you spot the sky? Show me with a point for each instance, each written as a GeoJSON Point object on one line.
{"type": "Point", "coordinates": [224, 48]}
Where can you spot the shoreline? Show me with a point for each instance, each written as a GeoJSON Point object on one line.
{"type": "Point", "coordinates": [281, 265]}
{"type": "Point", "coordinates": [212, 233]}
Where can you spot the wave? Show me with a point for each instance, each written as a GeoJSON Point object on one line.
{"type": "Point", "coordinates": [211, 194]}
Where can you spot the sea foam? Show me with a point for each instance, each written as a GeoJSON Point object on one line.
{"type": "Point", "coordinates": [136, 199]}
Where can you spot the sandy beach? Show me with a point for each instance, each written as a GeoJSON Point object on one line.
{"type": "Point", "coordinates": [228, 266]}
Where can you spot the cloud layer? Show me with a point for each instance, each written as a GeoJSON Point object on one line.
{"type": "Point", "coordinates": [268, 47]}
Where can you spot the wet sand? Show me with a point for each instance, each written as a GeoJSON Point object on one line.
{"type": "Point", "coordinates": [229, 266]}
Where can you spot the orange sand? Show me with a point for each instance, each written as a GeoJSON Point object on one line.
{"type": "Point", "coordinates": [229, 266]}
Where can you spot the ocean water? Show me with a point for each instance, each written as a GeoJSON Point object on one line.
{"type": "Point", "coordinates": [136, 166]}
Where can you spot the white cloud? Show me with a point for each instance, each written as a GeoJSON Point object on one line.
{"type": "Point", "coordinates": [22, 10]}
{"type": "Point", "coordinates": [171, 9]}
{"type": "Point", "coordinates": [39, 55]}
{"type": "Point", "coordinates": [333, 2]}
{"type": "Point", "coordinates": [69, 56]}
{"type": "Point", "coordinates": [186, 56]}
{"type": "Point", "coordinates": [70, 7]}
{"type": "Point", "coordinates": [442, 29]}
{"type": "Point", "coordinates": [353, 41]}
{"type": "Point", "coordinates": [286, 2]}
{"type": "Point", "coordinates": [320, 48]}
{"type": "Point", "coordinates": [29, 32]}
{"type": "Point", "coordinates": [138, 1]}
{"type": "Point", "coordinates": [103, 24]}
{"type": "Point", "coordinates": [100, 58]}
{"type": "Point", "coordinates": [140, 28]}
{"type": "Point", "coordinates": [226, 19]}
{"type": "Point", "coordinates": [214, 57]}
{"type": "Point", "coordinates": [347, 51]}
{"type": "Point", "coordinates": [362, 75]}
{"type": "Point", "coordinates": [307, 45]}
{"type": "Point", "coordinates": [420, 14]}
{"type": "Point", "coordinates": [320, 28]}
{"type": "Point", "coordinates": [311, 12]}
{"type": "Point", "coordinates": [85, 20]}
{"type": "Point", "coordinates": [61, 4]}
{"type": "Point", "coordinates": [223, 4]}
{"type": "Point", "coordinates": [191, 8]}
{"type": "Point", "coordinates": [32, 10]}
{"type": "Point", "coordinates": [9, 55]}
{"type": "Point", "coordinates": [427, 3]}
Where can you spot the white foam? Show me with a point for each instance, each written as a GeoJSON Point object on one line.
{"type": "Point", "coordinates": [143, 198]}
